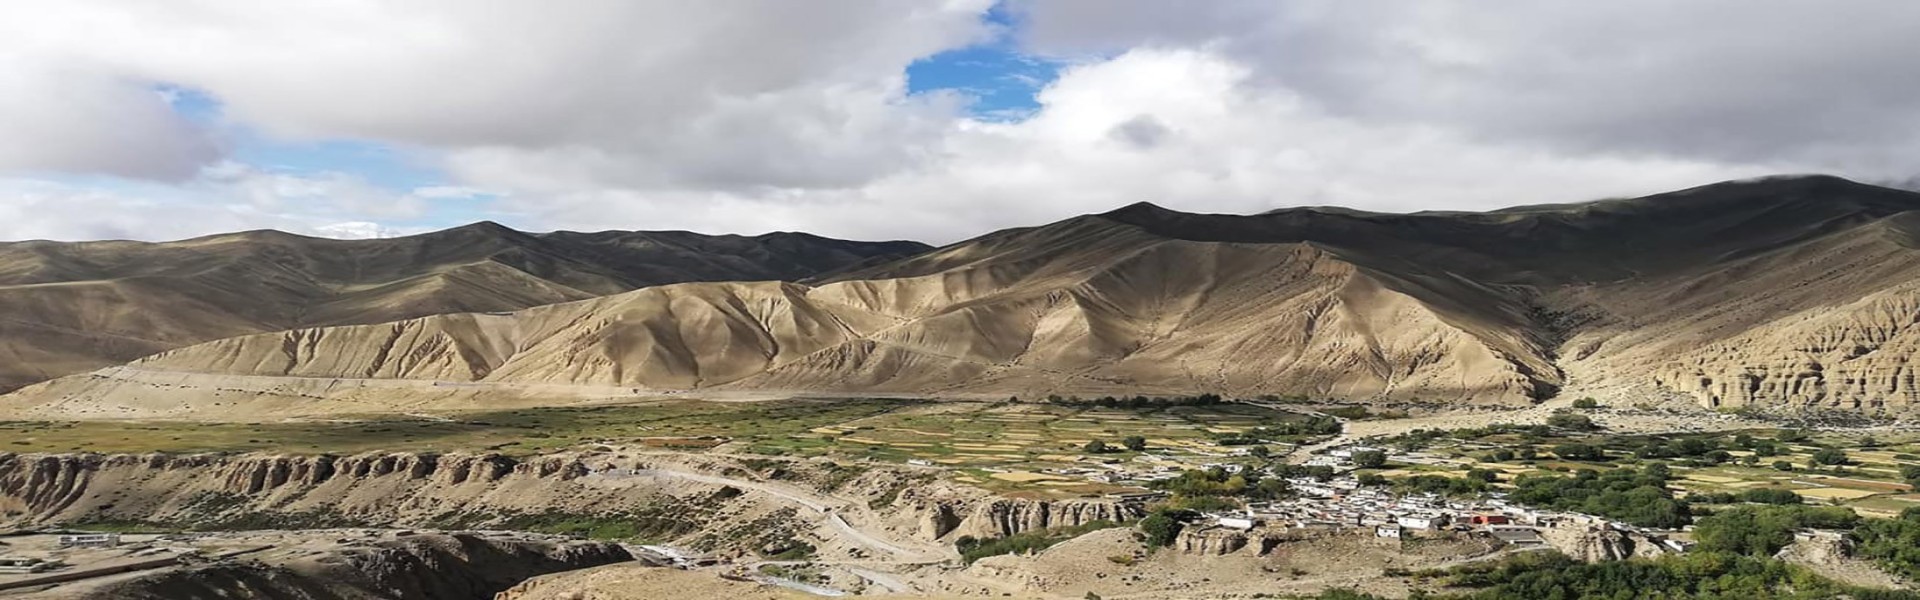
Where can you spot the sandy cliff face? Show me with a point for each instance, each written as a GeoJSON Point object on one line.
{"type": "Point", "coordinates": [705, 504]}
{"type": "Point", "coordinates": [427, 566]}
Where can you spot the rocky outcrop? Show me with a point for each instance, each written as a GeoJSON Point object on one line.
{"type": "Point", "coordinates": [261, 490]}
{"type": "Point", "coordinates": [1597, 543]}
{"type": "Point", "coordinates": [36, 487]}
{"type": "Point", "coordinates": [417, 567]}
{"type": "Point", "coordinates": [1001, 517]}
{"type": "Point", "coordinates": [1211, 541]}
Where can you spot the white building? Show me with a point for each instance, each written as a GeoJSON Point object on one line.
{"type": "Point", "coordinates": [1421, 522]}
{"type": "Point", "coordinates": [89, 540]}
{"type": "Point", "coordinates": [1240, 523]}
{"type": "Point", "coordinates": [1387, 531]}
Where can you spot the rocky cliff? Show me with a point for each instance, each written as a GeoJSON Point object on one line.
{"type": "Point", "coordinates": [711, 504]}
{"type": "Point", "coordinates": [414, 567]}
{"type": "Point", "coordinates": [946, 512]}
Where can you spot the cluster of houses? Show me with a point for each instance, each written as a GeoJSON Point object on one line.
{"type": "Point", "coordinates": [1342, 503]}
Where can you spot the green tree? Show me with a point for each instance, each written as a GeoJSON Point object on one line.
{"type": "Point", "coordinates": [1579, 451]}
{"type": "Point", "coordinates": [1829, 456]}
{"type": "Point", "coordinates": [1571, 421]}
{"type": "Point", "coordinates": [1160, 529]}
{"type": "Point", "coordinates": [1370, 459]}
{"type": "Point", "coordinates": [1095, 447]}
{"type": "Point", "coordinates": [1134, 443]}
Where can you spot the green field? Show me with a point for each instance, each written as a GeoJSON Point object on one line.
{"type": "Point", "coordinates": [516, 432]}
{"type": "Point", "coordinates": [1004, 446]}
{"type": "Point", "coordinates": [1869, 481]}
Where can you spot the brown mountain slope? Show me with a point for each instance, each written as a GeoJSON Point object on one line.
{"type": "Point", "coordinates": [1790, 292]}
{"type": "Point", "coordinates": [70, 307]}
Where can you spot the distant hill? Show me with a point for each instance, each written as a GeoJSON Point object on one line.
{"type": "Point", "coordinates": [1788, 293]}
{"type": "Point", "coordinates": [72, 307]}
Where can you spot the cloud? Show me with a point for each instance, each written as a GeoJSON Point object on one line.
{"type": "Point", "coordinates": [72, 118]}
{"type": "Point", "coordinates": [1730, 80]}
{"type": "Point", "coordinates": [224, 197]}
{"type": "Point", "coordinates": [772, 115]}
{"type": "Point", "coordinates": [1239, 148]}
{"type": "Point", "coordinates": [638, 94]}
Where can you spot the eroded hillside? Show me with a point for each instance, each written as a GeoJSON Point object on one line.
{"type": "Point", "coordinates": [71, 307]}
{"type": "Point", "coordinates": [1786, 292]}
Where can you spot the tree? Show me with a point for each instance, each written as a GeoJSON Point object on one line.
{"type": "Point", "coordinates": [1782, 465]}
{"type": "Point", "coordinates": [1829, 456]}
{"type": "Point", "coordinates": [1743, 440]}
{"type": "Point", "coordinates": [1487, 475]}
{"type": "Point", "coordinates": [1502, 455]}
{"type": "Point", "coordinates": [1095, 447]}
{"type": "Point", "coordinates": [1570, 421]}
{"type": "Point", "coordinates": [1577, 451]}
{"type": "Point", "coordinates": [1160, 529]}
{"type": "Point", "coordinates": [1272, 488]}
{"type": "Point", "coordinates": [1260, 452]}
{"type": "Point", "coordinates": [1134, 443]}
{"type": "Point", "coordinates": [1911, 473]}
{"type": "Point", "coordinates": [1370, 459]}
{"type": "Point", "coordinates": [1770, 496]}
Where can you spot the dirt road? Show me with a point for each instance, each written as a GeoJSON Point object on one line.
{"type": "Point", "coordinates": [831, 510]}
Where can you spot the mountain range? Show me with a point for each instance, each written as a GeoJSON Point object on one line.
{"type": "Point", "coordinates": [1786, 293]}
{"type": "Point", "coordinates": [72, 307]}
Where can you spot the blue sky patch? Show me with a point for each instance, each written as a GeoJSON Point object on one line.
{"type": "Point", "coordinates": [1000, 79]}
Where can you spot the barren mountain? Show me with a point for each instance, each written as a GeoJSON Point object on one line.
{"type": "Point", "coordinates": [1794, 292]}
{"type": "Point", "coordinates": [70, 307]}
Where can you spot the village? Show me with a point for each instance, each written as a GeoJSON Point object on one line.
{"type": "Point", "coordinates": [1333, 498]}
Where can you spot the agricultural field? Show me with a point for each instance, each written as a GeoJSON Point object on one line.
{"type": "Point", "coordinates": [1005, 446]}
{"type": "Point", "coordinates": [1009, 446]}
{"type": "Point", "coordinates": [1867, 478]}
{"type": "Point", "coordinates": [677, 423]}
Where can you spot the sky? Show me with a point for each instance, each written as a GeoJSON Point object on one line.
{"type": "Point", "coordinates": [933, 120]}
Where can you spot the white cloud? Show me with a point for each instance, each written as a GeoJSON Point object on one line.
{"type": "Point", "coordinates": [1822, 83]}
{"type": "Point", "coordinates": [1218, 144]}
{"type": "Point", "coordinates": [745, 93]}
{"type": "Point", "coordinates": [225, 197]}
{"type": "Point", "coordinates": [356, 230]}
{"type": "Point", "coordinates": [74, 118]}
{"type": "Point", "coordinates": [761, 115]}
